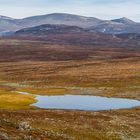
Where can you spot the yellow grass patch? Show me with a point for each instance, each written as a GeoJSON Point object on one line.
{"type": "Point", "coordinates": [11, 100]}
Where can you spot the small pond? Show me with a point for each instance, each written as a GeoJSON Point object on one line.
{"type": "Point", "coordinates": [83, 102]}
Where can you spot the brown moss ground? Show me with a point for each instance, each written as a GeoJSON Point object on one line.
{"type": "Point", "coordinates": [117, 78]}
{"type": "Point", "coordinates": [37, 67]}
{"type": "Point", "coordinates": [87, 125]}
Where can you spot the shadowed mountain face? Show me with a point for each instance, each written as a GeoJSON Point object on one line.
{"type": "Point", "coordinates": [64, 34]}
{"type": "Point", "coordinates": [129, 36]}
{"type": "Point", "coordinates": [117, 26]}
{"type": "Point", "coordinates": [50, 28]}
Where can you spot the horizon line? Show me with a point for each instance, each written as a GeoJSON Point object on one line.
{"type": "Point", "coordinates": [65, 13]}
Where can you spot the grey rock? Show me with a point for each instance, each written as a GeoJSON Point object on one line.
{"type": "Point", "coordinates": [24, 126]}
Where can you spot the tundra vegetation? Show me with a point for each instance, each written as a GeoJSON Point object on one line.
{"type": "Point", "coordinates": [42, 68]}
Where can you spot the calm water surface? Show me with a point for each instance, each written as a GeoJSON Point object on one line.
{"type": "Point", "coordinates": [83, 102]}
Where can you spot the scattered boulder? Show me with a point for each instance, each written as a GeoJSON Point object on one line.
{"type": "Point", "coordinates": [24, 126]}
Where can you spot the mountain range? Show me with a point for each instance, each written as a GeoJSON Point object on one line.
{"type": "Point", "coordinates": [64, 34]}
{"type": "Point", "coordinates": [90, 24]}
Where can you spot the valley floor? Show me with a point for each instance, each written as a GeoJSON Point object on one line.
{"type": "Point", "coordinates": [40, 68]}
{"type": "Point", "coordinates": [36, 124]}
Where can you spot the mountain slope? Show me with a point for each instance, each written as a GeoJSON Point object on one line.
{"type": "Point", "coordinates": [60, 18]}
{"type": "Point", "coordinates": [8, 24]}
{"type": "Point", "coordinates": [64, 34]}
{"type": "Point", "coordinates": [112, 27]}
{"type": "Point", "coordinates": [117, 26]}
{"type": "Point", "coordinates": [125, 21]}
{"type": "Point", "coordinates": [50, 28]}
{"type": "Point", "coordinates": [130, 36]}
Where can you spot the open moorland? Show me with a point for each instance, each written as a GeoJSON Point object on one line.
{"type": "Point", "coordinates": [38, 67]}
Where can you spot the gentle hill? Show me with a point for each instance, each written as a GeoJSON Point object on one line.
{"type": "Point", "coordinates": [117, 26]}
{"type": "Point", "coordinates": [60, 18]}
{"type": "Point", "coordinates": [125, 21]}
{"type": "Point", "coordinates": [50, 28]}
{"type": "Point", "coordinates": [64, 34]}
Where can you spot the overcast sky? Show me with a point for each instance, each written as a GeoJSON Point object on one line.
{"type": "Point", "coordinates": [104, 9]}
